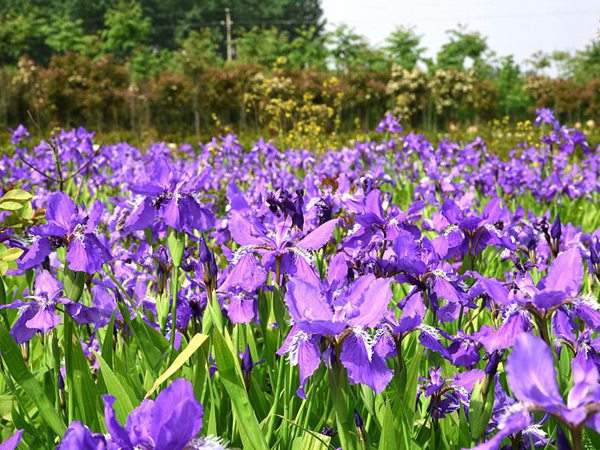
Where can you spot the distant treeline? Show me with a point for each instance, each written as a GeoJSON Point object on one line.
{"type": "Point", "coordinates": [161, 65]}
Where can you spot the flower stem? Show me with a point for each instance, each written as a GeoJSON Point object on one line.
{"type": "Point", "coordinates": [577, 438]}
{"type": "Point", "coordinates": [344, 420]}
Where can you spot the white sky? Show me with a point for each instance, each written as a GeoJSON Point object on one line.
{"type": "Point", "coordinates": [518, 27]}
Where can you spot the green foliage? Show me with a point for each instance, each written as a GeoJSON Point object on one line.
{"type": "Point", "coordinates": [126, 28]}
{"type": "Point", "coordinates": [464, 47]}
{"type": "Point", "coordinates": [64, 34]}
{"type": "Point", "coordinates": [198, 52]}
{"type": "Point", "coordinates": [512, 99]}
{"type": "Point", "coordinates": [22, 33]}
{"type": "Point", "coordinates": [351, 51]}
{"type": "Point", "coordinates": [404, 48]}
{"type": "Point", "coordinates": [308, 50]}
{"type": "Point", "coordinates": [262, 46]}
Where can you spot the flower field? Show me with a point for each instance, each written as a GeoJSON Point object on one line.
{"type": "Point", "coordinates": [393, 294]}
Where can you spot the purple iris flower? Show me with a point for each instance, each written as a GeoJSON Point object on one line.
{"type": "Point", "coordinates": [561, 285]}
{"type": "Point", "coordinates": [447, 395]}
{"type": "Point", "coordinates": [545, 116]}
{"type": "Point", "coordinates": [38, 314]}
{"type": "Point", "coordinates": [470, 234]}
{"type": "Point", "coordinates": [389, 124]}
{"type": "Point", "coordinates": [345, 315]}
{"type": "Point", "coordinates": [279, 245]}
{"type": "Point", "coordinates": [66, 226]}
{"type": "Point", "coordinates": [171, 422]}
{"type": "Point", "coordinates": [532, 379]}
{"type": "Point", "coordinates": [167, 423]}
{"type": "Point", "coordinates": [239, 289]}
{"type": "Point", "coordinates": [79, 437]}
{"type": "Point", "coordinates": [19, 134]}
{"type": "Point", "coordinates": [169, 196]}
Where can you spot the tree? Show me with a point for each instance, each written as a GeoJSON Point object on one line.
{"type": "Point", "coordinates": [261, 46]}
{"type": "Point", "coordinates": [586, 63]}
{"type": "Point", "coordinates": [198, 51]}
{"type": "Point", "coordinates": [513, 99]}
{"type": "Point", "coordinates": [126, 29]}
{"type": "Point", "coordinates": [464, 48]}
{"type": "Point", "coordinates": [309, 49]}
{"type": "Point", "coordinates": [351, 51]}
{"type": "Point", "coordinates": [23, 34]}
{"type": "Point", "coordinates": [64, 34]}
{"type": "Point", "coordinates": [403, 47]}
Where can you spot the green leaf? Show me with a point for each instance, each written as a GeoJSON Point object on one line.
{"type": "Point", "coordinates": [74, 283]}
{"type": "Point", "coordinates": [18, 195]}
{"type": "Point", "coordinates": [10, 205]}
{"type": "Point", "coordinates": [79, 379]}
{"type": "Point", "coordinates": [176, 244]}
{"type": "Point", "coordinates": [179, 361]}
{"type": "Point", "coordinates": [107, 343]}
{"type": "Point", "coordinates": [10, 254]}
{"type": "Point", "coordinates": [230, 373]}
{"type": "Point", "coordinates": [480, 408]}
{"type": "Point", "coordinates": [389, 438]}
{"type": "Point", "coordinates": [23, 377]}
{"type": "Point", "coordinates": [116, 386]}
{"type": "Point", "coordinates": [309, 441]}
{"type": "Point", "coordinates": [153, 344]}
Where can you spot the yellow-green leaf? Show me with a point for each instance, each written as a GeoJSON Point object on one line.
{"type": "Point", "coordinates": [10, 254]}
{"type": "Point", "coordinates": [10, 205]}
{"type": "Point", "coordinates": [194, 344]}
{"type": "Point", "coordinates": [18, 195]}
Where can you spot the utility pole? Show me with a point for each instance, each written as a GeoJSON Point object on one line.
{"type": "Point", "coordinates": [228, 23]}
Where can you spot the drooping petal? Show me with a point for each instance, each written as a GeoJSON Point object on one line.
{"type": "Point", "coordinates": [141, 217]}
{"type": "Point", "coordinates": [319, 236]}
{"type": "Point", "coordinates": [118, 435]}
{"type": "Point", "coordinates": [494, 288]}
{"type": "Point", "coordinates": [512, 423]}
{"type": "Point", "coordinates": [246, 232]}
{"type": "Point", "coordinates": [305, 302]}
{"type": "Point", "coordinates": [177, 416]}
{"type": "Point", "coordinates": [585, 380]}
{"type": "Point", "coordinates": [79, 437]}
{"type": "Point", "coordinates": [20, 332]}
{"type": "Point", "coordinates": [236, 198]}
{"type": "Point", "coordinates": [549, 299]}
{"type": "Point", "coordinates": [309, 359]}
{"type": "Point", "coordinates": [531, 374]}
{"type": "Point", "coordinates": [196, 217]}
{"type": "Point", "coordinates": [139, 425]}
{"type": "Point", "coordinates": [87, 254]}
{"type": "Point", "coordinates": [44, 320]}
{"type": "Point", "coordinates": [94, 216]}
{"type": "Point", "coordinates": [364, 365]}
{"type": "Point", "coordinates": [36, 254]}
{"type": "Point", "coordinates": [171, 214]}
{"type": "Point", "coordinates": [241, 309]}
{"type": "Point", "coordinates": [337, 271]}
{"type": "Point", "coordinates": [247, 274]}
{"type": "Point", "coordinates": [503, 337]}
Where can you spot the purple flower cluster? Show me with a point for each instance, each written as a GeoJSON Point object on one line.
{"type": "Point", "coordinates": [477, 260]}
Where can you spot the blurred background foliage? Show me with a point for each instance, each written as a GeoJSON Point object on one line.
{"type": "Point", "coordinates": [158, 69]}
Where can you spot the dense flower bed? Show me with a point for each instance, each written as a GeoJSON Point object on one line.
{"type": "Point", "coordinates": [395, 294]}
